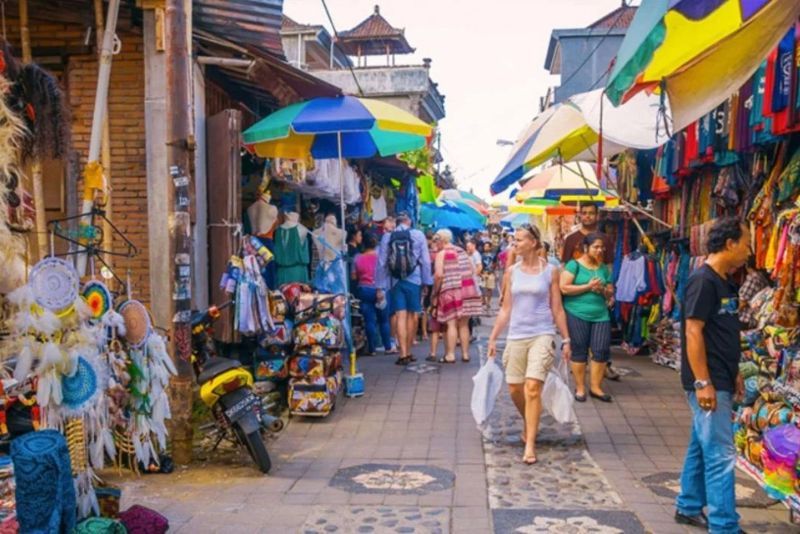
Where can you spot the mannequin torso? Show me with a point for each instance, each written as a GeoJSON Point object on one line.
{"type": "Point", "coordinates": [333, 236]}
{"type": "Point", "coordinates": [262, 216]}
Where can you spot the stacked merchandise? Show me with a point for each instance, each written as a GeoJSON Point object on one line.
{"type": "Point", "coordinates": [665, 341]}
{"type": "Point", "coordinates": [767, 433]}
{"type": "Point", "coordinates": [98, 375]}
{"type": "Point", "coordinates": [315, 366]}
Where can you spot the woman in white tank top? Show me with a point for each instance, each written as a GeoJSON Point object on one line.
{"type": "Point", "coordinates": [533, 310]}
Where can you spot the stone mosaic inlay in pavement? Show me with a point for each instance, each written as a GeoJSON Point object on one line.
{"type": "Point", "coordinates": [393, 479]}
{"type": "Point", "coordinates": [366, 519]}
{"type": "Point", "coordinates": [748, 493]}
{"type": "Point", "coordinates": [565, 477]}
{"type": "Point", "coordinates": [566, 522]}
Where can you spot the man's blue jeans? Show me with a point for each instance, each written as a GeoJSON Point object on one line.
{"type": "Point", "coordinates": [375, 321]}
{"type": "Point", "coordinates": [709, 471]}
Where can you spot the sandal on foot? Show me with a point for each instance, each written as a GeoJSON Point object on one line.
{"type": "Point", "coordinates": [402, 361]}
{"type": "Point", "coordinates": [444, 359]}
{"type": "Point", "coordinates": [529, 459]}
{"type": "Point", "coordinates": [431, 358]}
{"type": "Point", "coordinates": [605, 397]}
{"type": "Point", "coordinates": [465, 360]}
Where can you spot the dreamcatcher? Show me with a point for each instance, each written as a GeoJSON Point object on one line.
{"type": "Point", "coordinates": [148, 372]}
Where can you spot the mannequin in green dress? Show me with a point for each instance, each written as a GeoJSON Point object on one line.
{"type": "Point", "coordinates": [291, 250]}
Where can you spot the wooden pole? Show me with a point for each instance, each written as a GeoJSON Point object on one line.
{"type": "Point", "coordinates": [105, 147]}
{"type": "Point", "coordinates": [36, 165]}
{"type": "Point", "coordinates": [179, 156]}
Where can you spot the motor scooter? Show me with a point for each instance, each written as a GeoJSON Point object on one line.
{"type": "Point", "coordinates": [226, 387]}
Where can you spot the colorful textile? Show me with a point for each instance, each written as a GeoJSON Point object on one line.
{"type": "Point", "coordinates": [692, 46]}
{"type": "Point", "coordinates": [45, 493]}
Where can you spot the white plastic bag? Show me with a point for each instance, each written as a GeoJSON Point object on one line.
{"type": "Point", "coordinates": [556, 396]}
{"type": "Point", "coordinates": [486, 385]}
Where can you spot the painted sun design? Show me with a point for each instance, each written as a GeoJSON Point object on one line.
{"type": "Point", "coordinates": [393, 479]}
{"type": "Point", "coordinates": [571, 525]}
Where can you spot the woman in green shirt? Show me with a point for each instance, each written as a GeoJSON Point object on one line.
{"type": "Point", "coordinates": [588, 292]}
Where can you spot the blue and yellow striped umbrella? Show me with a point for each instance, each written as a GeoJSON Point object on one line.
{"type": "Point", "coordinates": [334, 127]}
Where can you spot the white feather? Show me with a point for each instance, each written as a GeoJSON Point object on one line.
{"type": "Point", "coordinates": [21, 297]}
{"type": "Point", "coordinates": [55, 388]}
{"type": "Point", "coordinates": [43, 390]}
{"type": "Point", "coordinates": [24, 362]}
{"type": "Point", "coordinates": [82, 308]}
{"type": "Point", "coordinates": [51, 356]}
{"type": "Point", "coordinates": [108, 443]}
{"type": "Point", "coordinates": [46, 322]}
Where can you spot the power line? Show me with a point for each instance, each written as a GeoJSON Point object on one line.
{"type": "Point", "coordinates": [336, 44]}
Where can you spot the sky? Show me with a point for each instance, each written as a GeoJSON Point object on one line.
{"type": "Point", "coordinates": [488, 59]}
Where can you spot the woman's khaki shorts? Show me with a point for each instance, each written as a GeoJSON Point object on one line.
{"type": "Point", "coordinates": [531, 357]}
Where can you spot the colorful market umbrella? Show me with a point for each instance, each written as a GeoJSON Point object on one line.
{"type": "Point", "coordinates": [699, 51]}
{"type": "Point", "coordinates": [571, 131]}
{"type": "Point", "coordinates": [448, 216]}
{"type": "Point", "coordinates": [362, 126]}
{"type": "Point", "coordinates": [568, 179]}
{"type": "Point", "coordinates": [458, 194]}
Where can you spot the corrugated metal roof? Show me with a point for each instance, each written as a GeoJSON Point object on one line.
{"type": "Point", "coordinates": [252, 22]}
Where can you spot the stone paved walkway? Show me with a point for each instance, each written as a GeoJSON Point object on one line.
{"type": "Point", "coordinates": [407, 457]}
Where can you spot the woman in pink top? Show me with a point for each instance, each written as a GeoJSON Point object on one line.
{"type": "Point", "coordinates": [373, 300]}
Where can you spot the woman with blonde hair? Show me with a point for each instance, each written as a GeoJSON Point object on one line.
{"type": "Point", "coordinates": [456, 296]}
{"type": "Point", "coordinates": [532, 310]}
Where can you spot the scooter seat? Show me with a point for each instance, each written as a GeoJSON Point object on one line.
{"type": "Point", "coordinates": [216, 366]}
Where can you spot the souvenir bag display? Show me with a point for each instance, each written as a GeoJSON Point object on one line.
{"type": "Point", "coordinates": [280, 335]}
{"type": "Point", "coordinates": [269, 363]}
{"type": "Point", "coordinates": [310, 306]}
{"type": "Point", "coordinates": [315, 396]}
{"type": "Point", "coordinates": [326, 331]}
{"type": "Point", "coordinates": [314, 362]}
{"type": "Point", "coordinates": [278, 307]}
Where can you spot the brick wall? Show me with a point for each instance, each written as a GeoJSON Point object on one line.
{"type": "Point", "coordinates": [126, 111]}
{"type": "Point", "coordinates": [128, 162]}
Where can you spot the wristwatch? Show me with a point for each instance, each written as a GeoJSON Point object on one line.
{"type": "Point", "coordinates": [700, 384]}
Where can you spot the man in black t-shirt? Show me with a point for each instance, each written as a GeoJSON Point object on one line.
{"type": "Point", "coordinates": [710, 376]}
